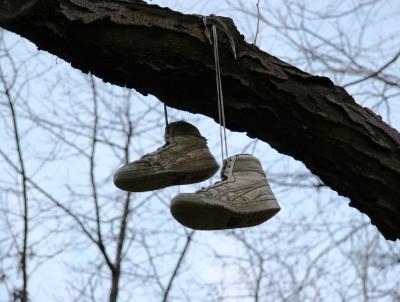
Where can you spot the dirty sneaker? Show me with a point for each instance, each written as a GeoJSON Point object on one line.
{"type": "Point", "coordinates": [243, 198]}
{"type": "Point", "coordinates": [184, 159]}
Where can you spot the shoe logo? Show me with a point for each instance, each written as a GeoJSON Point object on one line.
{"type": "Point", "coordinates": [224, 192]}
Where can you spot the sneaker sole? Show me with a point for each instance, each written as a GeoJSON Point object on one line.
{"type": "Point", "coordinates": [133, 181]}
{"type": "Point", "coordinates": [200, 215]}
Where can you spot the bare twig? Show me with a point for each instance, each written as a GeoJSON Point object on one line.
{"type": "Point", "coordinates": [178, 265]}
{"type": "Point", "coordinates": [377, 72]}
{"type": "Point", "coordinates": [100, 241]}
{"type": "Point", "coordinates": [124, 219]}
{"type": "Point", "coordinates": [258, 22]}
{"type": "Point", "coordinates": [23, 260]}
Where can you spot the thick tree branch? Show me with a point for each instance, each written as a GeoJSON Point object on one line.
{"type": "Point", "coordinates": [161, 52]}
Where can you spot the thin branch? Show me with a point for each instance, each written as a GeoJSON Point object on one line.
{"type": "Point", "coordinates": [23, 260]}
{"type": "Point", "coordinates": [258, 22]}
{"type": "Point", "coordinates": [376, 73]}
{"type": "Point", "coordinates": [122, 233]}
{"type": "Point", "coordinates": [100, 242]}
{"type": "Point", "coordinates": [178, 265]}
{"type": "Point", "coordinates": [50, 197]}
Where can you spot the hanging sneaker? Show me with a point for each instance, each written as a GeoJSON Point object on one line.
{"type": "Point", "coordinates": [243, 198]}
{"type": "Point", "coordinates": [184, 159]}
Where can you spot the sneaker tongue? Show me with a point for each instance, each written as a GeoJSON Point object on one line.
{"type": "Point", "coordinates": [225, 170]}
{"type": "Point", "coordinates": [168, 135]}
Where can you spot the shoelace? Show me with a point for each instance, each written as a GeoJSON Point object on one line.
{"type": "Point", "coordinates": [166, 116]}
{"type": "Point", "coordinates": [147, 157]}
{"type": "Point", "coordinates": [220, 97]}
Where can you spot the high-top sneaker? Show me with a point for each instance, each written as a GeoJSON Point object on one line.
{"type": "Point", "coordinates": [243, 198]}
{"type": "Point", "coordinates": [184, 159]}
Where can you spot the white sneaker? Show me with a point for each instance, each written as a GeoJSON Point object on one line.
{"type": "Point", "coordinates": [243, 198]}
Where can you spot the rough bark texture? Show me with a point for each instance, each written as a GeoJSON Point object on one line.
{"type": "Point", "coordinates": [167, 54]}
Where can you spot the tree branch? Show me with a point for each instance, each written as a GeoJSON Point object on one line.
{"type": "Point", "coordinates": [124, 221]}
{"type": "Point", "coordinates": [165, 53]}
{"type": "Point", "coordinates": [376, 73]}
{"type": "Point", "coordinates": [174, 274]}
{"type": "Point", "coordinates": [25, 215]}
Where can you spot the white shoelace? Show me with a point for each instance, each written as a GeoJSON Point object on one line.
{"type": "Point", "coordinates": [166, 116]}
{"type": "Point", "coordinates": [220, 96]}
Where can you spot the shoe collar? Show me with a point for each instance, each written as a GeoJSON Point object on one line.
{"type": "Point", "coordinates": [247, 161]}
{"type": "Point", "coordinates": [227, 167]}
{"type": "Point", "coordinates": [181, 129]}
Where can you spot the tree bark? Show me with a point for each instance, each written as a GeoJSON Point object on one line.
{"type": "Point", "coordinates": [167, 54]}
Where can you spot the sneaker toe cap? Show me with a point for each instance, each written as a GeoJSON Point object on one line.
{"type": "Point", "coordinates": [187, 209]}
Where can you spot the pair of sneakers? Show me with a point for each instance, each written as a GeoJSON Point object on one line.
{"type": "Point", "coordinates": [242, 197]}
